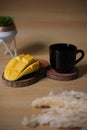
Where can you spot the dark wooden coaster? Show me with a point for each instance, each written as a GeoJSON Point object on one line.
{"type": "Point", "coordinates": [29, 79]}
{"type": "Point", "coordinates": [51, 73]}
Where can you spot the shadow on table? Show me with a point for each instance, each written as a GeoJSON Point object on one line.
{"type": "Point", "coordinates": [33, 48]}
{"type": "Point", "coordinates": [82, 70]}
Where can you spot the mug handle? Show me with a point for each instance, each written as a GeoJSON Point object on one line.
{"type": "Point", "coordinates": [81, 57]}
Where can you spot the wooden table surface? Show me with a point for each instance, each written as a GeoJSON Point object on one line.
{"type": "Point", "coordinates": [39, 24]}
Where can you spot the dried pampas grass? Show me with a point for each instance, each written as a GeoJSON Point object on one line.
{"type": "Point", "coordinates": [66, 110]}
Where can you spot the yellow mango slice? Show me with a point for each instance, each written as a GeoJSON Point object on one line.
{"type": "Point", "coordinates": [13, 62]}
{"type": "Point", "coordinates": [10, 75]}
{"type": "Point", "coordinates": [19, 66]}
{"type": "Point", "coordinates": [28, 59]}
{"type": "Point", "coordinates": [31, 68]}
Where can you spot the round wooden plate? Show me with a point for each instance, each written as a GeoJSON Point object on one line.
{"type": "Point", "coordinates": [29, 79]}
{"type": "Point", "coordinates": [51, 73]}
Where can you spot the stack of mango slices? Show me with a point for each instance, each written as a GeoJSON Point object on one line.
{"type": "Point", "coordinates": [20, 66]}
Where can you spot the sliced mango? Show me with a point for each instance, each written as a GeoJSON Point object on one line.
{"type": "Point", "coordinates": [31, 68]}
{"type": "Point", "coordinates": [20, 66]}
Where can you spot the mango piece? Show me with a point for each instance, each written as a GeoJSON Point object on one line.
{"type": "Point", "coordinates": [12, 63]}
{"type": "Point", "coordinates": [28, 59]}
{"type": "Point", "coordinates": [11, 75]}
{"type": "Point", "coordinates": [20, 66]}
{"type": "Point", "coordinates": [31, 68]}
{"type": "Point", "coordinates": [19, 58]}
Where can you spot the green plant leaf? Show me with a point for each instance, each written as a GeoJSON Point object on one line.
{"type": "Point", "coordinates": [6, 21]}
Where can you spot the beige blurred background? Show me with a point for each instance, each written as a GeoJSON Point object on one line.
{"type": "Point", "coordinates": [43, 22]}
{"type": "Point", "coordinates": [39, 24]}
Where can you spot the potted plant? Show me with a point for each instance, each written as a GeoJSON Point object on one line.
{"type": "Point", "coordinates": [7, 34]}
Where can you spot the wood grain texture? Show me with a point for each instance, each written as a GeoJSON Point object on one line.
{"type": "Point", "coordinates": [51, 73]}
{"type": "Point", "coordinates": [39, 24]}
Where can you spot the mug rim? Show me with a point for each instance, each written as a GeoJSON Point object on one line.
{"type": "Point", "coordinates": [62, 44]}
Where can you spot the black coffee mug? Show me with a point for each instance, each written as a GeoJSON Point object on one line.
{"type": "Point", "coordinates": [63, 57]}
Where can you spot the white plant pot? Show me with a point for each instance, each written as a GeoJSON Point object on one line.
{"type": "Point", "coordinates": [8, 34]}
{"type": "Point", "coordinates": [7, 37]}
